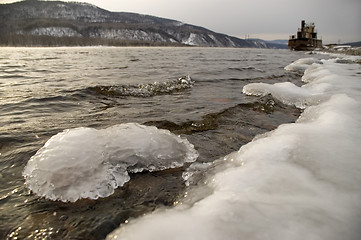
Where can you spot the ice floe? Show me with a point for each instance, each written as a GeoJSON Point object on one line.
{"type": "Point", "coordinates": [90, 163]}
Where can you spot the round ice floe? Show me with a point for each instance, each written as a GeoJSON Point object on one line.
{"type": "Point", "coordinates": [89, 163]}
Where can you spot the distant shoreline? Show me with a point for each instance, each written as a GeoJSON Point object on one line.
{"type": "Point", "coordinates": [49, 41]}
{"type": "Point", "coordinates": [353, 51]}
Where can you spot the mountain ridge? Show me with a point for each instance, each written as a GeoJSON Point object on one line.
{"type": "Point", "coordinates": [48, 23]}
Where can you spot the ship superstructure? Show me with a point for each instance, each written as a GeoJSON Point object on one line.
{"type": "Point", "coordinates": [306, 38]}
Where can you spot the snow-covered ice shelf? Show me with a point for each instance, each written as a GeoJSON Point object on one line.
{"type": "Point", "coordinates": [299, 181]}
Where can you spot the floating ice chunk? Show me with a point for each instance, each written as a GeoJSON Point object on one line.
{"type": "Point", "coordinates": [71, 166]}
{"type": "Point", "coordinates": [301, 64]}
{"type": "Point", "coordinates": [89, 163]}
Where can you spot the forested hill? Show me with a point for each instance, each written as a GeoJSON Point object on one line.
{"type": "Point", "coordinates": [56, 23]}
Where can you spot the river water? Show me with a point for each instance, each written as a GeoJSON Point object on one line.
{"type": "Point", "coordinates": [46, 90]}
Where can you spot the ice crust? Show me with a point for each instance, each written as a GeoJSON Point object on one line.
{"type": "Point", "coordinates": [90, 163]}
{"type": "Point", "coordinates": [287, 93]}
{"type": "Point", "coordinates": [299, 181]}
{"type": "Point", "coordinates": [321, 83]}
{"type": "Point", "coordinates": [302, 64]}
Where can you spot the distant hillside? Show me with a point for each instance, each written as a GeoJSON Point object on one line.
{"type": "Point", "coordinates": [353, 44]}
{"type": "Point", "coordinates": [279, 41]}
{"type": "Point", "coordinates": [281, 44]}
{"type": "Point", "coordinates": [56, 23]}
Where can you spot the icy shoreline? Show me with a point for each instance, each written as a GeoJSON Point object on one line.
{"type": "Point", "coordinates": [300, 181]}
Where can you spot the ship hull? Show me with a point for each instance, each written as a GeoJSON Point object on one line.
{"type": "Point", "coordinates": [304, 44]}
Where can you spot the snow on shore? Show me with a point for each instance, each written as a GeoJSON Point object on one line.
{"type": "Point", "coordinates": [300, 181]}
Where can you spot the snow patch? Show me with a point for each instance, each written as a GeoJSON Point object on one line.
{"type": "Point", "coordinates": [54, 32]}
{"type": "Point", "coordinates": [127, 34]}
{"type": "Point", "coordinates": [191, 39]}
{"type": "Point", "coordinates": [231, 43]}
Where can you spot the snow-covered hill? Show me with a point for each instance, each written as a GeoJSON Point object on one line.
{"type": "Point", "coordinates": [47, 21]}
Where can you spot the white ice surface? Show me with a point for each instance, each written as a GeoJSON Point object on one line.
{"type": "Point", "coordinates": [300, 181]}
{"type": "Point", "coordinates": [286, 92]}
{"type": "Point", "coordinates": [89, 163]}
{"type": "Point", "coordinates": [301, 64]}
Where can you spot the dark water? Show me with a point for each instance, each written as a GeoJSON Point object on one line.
{"type": "Point", "coordinates": [46, 90]}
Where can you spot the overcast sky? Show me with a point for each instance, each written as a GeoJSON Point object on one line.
{"type": "Point", "coordinates": [335, 20]}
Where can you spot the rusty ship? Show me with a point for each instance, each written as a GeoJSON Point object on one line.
{"type": "Point", "coordinates": [306, 38]}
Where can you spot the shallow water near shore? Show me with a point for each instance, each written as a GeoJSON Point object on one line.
{"type": "Point", "coordinates": [47, 90]}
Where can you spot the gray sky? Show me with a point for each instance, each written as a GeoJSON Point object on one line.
{"type": "Point", "coordinates": [336, 20]}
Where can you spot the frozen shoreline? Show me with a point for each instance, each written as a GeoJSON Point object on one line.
{"type": "Point", "coordinates": [300, 181]}
{"type": "Point", "coordinates": [347, 50]}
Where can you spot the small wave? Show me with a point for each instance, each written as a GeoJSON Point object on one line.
{"type": "Point", "coordinates": [264, 104]}
{"type": "Point", "coordinates": [246, 69]}
{"type": "Point", "coordinates": [226, 60]}
{"type": "Point", "coordinates": [108, 68]}
{"type": "Point", "coordinates": [8, 76]}
{"type": "Point", "coordinates": [145, 90]}
{"type": "Point", "coordinates": [14, 70]}
{"type": "Point", "coordinates": [134, 60]}
{"type": "Point", "coordinates": [9, 65]}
